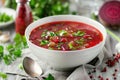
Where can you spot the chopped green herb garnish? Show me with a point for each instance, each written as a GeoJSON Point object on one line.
{"type": "Point", "coordinates": [51, 34]}
{"type": "Point", "coordinates": [59, 45]}
{"type": "Point", "coordinates": [62, 32]}
{"type": "Point", "coordinates": [44, 42]}
{"type": "Point", "coordinates": [3, 75]}
{"type": "Point", "coordinates": [48, 34]}
{"type": "Point", "coordinates": [70, 44]}
{"type": "Point", "coordinates": [81, 41]}
{"type": "Point", "coordinates": [50, 77]}
{"type": "Point", "coordinates": [43, 34]}
{"type": "Point", "coordinates": [79, 33]}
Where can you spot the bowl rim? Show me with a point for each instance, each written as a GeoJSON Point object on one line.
{"type": "Point", "coordinates": [71, 51]}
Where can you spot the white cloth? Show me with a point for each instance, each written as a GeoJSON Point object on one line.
{"type": "Point", "coordinates": [80, 73]}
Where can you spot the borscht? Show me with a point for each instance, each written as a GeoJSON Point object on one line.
{"type": "Point", "coordinates": [65, 36]}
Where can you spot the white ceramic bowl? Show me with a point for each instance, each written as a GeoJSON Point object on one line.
{"type": "Point", "coordinates": [62, 60]}
{"type": "Point", "coordinates": [9, 12]}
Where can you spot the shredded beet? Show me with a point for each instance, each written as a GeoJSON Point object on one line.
{"type": "Point", "coordinates": [110, 13]}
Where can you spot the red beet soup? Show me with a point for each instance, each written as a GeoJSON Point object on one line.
{"type": "Point", "coordinates": [65, 36]}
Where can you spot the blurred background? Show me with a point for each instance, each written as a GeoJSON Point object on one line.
{"type": "Point", "coordinates": [81, 7]}
{"type": "Point", "coordinates": [43, 8]}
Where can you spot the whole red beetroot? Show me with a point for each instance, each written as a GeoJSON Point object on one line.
{"type": "Point", "coordinates": [109, 14]}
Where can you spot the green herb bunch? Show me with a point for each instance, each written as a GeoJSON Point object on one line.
{"type": "Point", "coordinates": [10, 4]}
{"type": "Point", "coordinates": [13, 50]}
{"type": "Point", "coordinates": [5, 18]}
{"type": "Point", "coordinates": [43, 8]}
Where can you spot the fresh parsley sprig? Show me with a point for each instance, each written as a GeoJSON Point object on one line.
{"type": "Point", "coordinates": [14, 50]}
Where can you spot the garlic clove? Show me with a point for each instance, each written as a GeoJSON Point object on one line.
{"type": "Point", "coordinates": [4, 38]}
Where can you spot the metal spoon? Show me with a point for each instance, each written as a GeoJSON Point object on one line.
{"type": "Point", "coordinates": [32, 68]}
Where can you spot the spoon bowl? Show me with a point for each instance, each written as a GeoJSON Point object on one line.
{"type": "Point", "coordinates": [31, 67]}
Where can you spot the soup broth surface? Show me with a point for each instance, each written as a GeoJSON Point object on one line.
{"type": "Point", "coordinates": [65, 36]}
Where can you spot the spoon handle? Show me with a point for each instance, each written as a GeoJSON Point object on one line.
{"type": "Point", "coordinates": [16, 74]}
{"type": "Point", "coordinates": [29, 79]}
